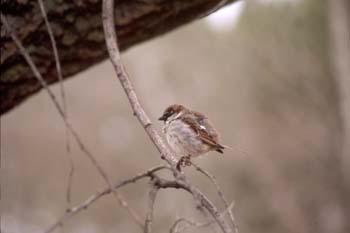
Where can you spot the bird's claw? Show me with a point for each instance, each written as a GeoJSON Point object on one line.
{"type": "Point", "coordinates": [183, 162]}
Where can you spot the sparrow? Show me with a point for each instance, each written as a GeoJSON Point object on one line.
{"type": "Point", "coordinates": [189, 133]}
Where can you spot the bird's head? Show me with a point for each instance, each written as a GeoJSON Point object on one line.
{"type": "Point", "coordinates": [172, 111]}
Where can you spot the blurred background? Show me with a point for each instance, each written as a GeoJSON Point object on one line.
{"type": "Point", "coordinates": [259, 69]}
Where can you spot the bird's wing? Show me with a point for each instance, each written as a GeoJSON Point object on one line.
{"type": "Point", "coordinates": [203, 128]}
{"type": "Point", "coordinates": [204, 121]}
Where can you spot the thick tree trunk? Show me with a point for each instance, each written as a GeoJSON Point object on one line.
{"type": "Point", "coordinates": [78, 31]}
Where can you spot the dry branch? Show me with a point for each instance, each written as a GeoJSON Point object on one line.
{"type": "Point", "coordinates": [113, 50]}
{"type": "Point", "coordinates": [76, 136]}
{"type": "Point", "coordinates": [150, 208]}
{"type": "Point", "coordinates": [63, 97]}
{"type": "Point", "coordinates": [180, 180]}
{"type": "Point", "coordinates": [92, 199]}
{"type": "Point", "coordinates": [176, 224]}
{"type": "Point", "coordinates": [220, 193]}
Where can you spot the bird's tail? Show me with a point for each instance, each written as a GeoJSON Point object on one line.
{"type": "Point", "coordinates": [221, 147]}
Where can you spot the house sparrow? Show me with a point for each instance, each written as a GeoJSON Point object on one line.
{"type": "Point", "coordinates": [189, 133]}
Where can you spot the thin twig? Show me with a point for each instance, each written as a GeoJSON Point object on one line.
{"type": "Point", "coordinates": [55, 52]}
{"type": "Point", "coordinates": [81, 145]}
{"type": "Point", "coordinates": [220, 193]}
{"type": "Point", "coordinates": [150, 208]}
{"type": "Point", "coordinates": [93, 198]}
{"type": "Point", "coordinates": [198, 196]}
{"type": "Point", "coordinates": [174, 227]}
{"type": "Point", "coordinates": [206, 215]}
{"type": "Point", "coordinates": [111, 41]}
{"type": "Point", "coordinates": [70, 177]}
{"type": "Point", "coordinates": [114, 54]}
{"type": "Point", "coordinates": [63, 98]}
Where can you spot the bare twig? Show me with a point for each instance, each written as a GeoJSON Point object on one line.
{"type": "Point", "coordinates": [207, 216]}
{"type": "Point", "coordinates": [55, 52]}
{"type": "Point", "coordinates": [63, 97]}
{"type": "Point", "coordinates": [220, 193]}
{"type": "Point", "coordinates": [174, 227]}
{"type": "Point", "coordinates": [81, 145]}
{"type": "Point", "coordinates": [112, 48]}
{"type": "Point", "coordinates": [70, 176]}
{"type": "Point", "coordinates": [197, 195]}
{"type": "Point", "coordinates": [150, 208]}
{"type": "Point", "coordinates": [111, 41]}
{"type": "Point", "coordinates": [93, 198]}
{"type": "Point", "coordinates": [180, 181]}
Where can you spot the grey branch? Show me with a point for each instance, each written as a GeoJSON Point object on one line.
{"type": "Point", "coordinates": [220, 193]}
{"type": "Point", "coordinates": [150, 208]}
{"type": "Point", "coordinates": [174, 228]}
{"type": "Point", "coordinates": [77, 138]}
{"type": "Point", "coordinates": [113, 51]}
{"type": "Point", "coordinates": [63, 97]}
{"type": "Point", "coordinates": [180, 180]}
{"type": "Point", "coordinates": [92, 199]}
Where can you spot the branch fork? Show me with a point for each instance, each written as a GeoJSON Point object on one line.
{"type": "Point", "coordinates": [179, 181]}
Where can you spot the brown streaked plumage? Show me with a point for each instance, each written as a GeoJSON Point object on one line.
{"type": "Point", "coordinates": [189, 133]}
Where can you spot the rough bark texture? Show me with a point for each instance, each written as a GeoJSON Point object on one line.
{"type": "Point", "coordinates": [77, 28]}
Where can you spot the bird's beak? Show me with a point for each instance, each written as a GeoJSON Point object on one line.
{"type": "Point", "coordinates": [162, 118]}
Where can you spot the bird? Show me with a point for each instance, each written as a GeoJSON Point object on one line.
{"type": "Point", "coordinates": [189, 134]}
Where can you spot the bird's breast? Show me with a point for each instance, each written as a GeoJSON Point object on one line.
{"type": "Point", "coordinates": [183, 139]}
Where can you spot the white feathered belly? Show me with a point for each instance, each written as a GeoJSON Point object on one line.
{"type": "Point", "coordinates": [183, 140]}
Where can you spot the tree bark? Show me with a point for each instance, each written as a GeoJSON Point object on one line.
{"type": "Point", "coordinates": [77, 27]}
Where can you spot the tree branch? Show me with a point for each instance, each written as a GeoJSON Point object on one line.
{"type": "Point", "coordinates": [69, 126]}
{"type": "Point", "coordinates": [113, 51]}
{"type": "Point", "coordinates": [220, 193]}
{"type": "Point", "coordinates": [180, 181]}
{"type": "Point", "coordinates": [92, 199]}
{"type": "Point", "coordinates": [63, 98]}
{"type": "Point", "coordinates": [150, 208]}
{"type": "Point", "coordinates": [174, 227]}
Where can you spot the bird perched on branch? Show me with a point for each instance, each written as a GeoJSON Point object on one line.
{"type": "Point", "coordinates": [189, 133]}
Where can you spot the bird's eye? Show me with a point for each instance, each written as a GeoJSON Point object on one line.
{"type": "Point", "coordinates": [168, 113]}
